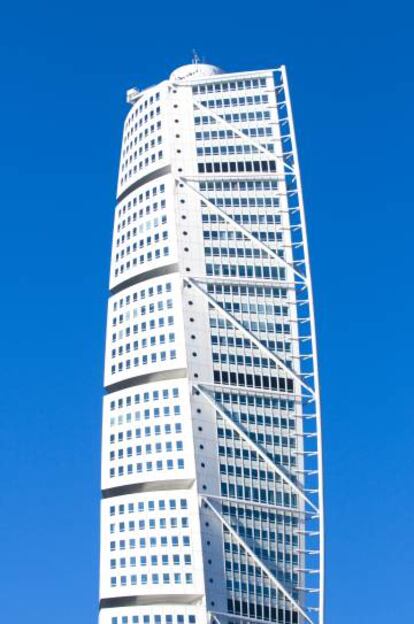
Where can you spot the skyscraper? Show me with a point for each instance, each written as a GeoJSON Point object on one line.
{"type": "Point", "coordinates": [212, 502]}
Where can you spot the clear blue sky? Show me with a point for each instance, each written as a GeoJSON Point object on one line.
{"type": "Point", "coordinates": [64, 71]}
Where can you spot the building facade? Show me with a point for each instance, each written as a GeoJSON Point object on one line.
{"type": "Point", "coordinates": [212, 505]}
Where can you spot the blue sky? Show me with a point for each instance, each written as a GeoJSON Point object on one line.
{"type": "Point", "coordinates": [64, 70]}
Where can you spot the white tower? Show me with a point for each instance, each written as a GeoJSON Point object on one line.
{"type": "Point", "coordinates": [212, 505]}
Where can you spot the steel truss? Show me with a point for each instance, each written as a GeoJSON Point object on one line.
{"type": "Point", "coordinates": [303, 369]}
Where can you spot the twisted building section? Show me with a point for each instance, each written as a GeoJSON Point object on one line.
{"type": "Point", "coordinates": [212, 501]}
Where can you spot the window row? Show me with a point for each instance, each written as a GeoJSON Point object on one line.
{"type": "Point", "coordinates": [268, 554]}
{"type": "Point", "coordinates": [239, 185]}
{"type": "Point", "coordinates": [160, 523]}
{"type": "Point", "coordinates": [163, 541]}
{"type": "Point", "coordinates": [253, 308]}
{"type": "Point", "coordinates": [262, 515]}
{"type": "Point", "coordinates": [245, 202]}
{"type": "Point", "coordinates": [246, 270]}
{"type": "Point", "coordinates": [259, 438]}
{"type": "Point", "coordinates": [233, 85]}
{"type": "Point", "coordinates": [270, 237]}
{"type": "Point", "coordinates": [211, 135]}
{"type": "Point", "coordinates": [260, 495]}
{"type": "Point", "coordinates": [256, 326]}
{"type": "Point", "coordinates": [264, 420]}
{"type": "Point", "coordinates": [150, 505]}
{"type": "Point", "coordinates": [272, 345]}
{"type": "Point", "coordinates": [264, 612]}
{"type": "Point", "coordinates": [243, 360]}
{"type": "Point", "coordinates": [248, 455]}
{"type": "Point", "coordinates": [151, 358]}
{"type": "Point", "coordinates": [245, 472]}
{"type": "Point", "coordinates": [155, 579]}
{"type": "Point", "coordinates": [233, 118]}
{"type": "Point", "coordinates": [146, 542]}
{"type": "Point", "coordinates": [154, 560]}
{"type": "Point", "coordinates": [145, 342]}
{"type": "Point", "coordinates": [245, 219]}
{"type": "Point", "coordinates": [154, 340]}
{"type": "Point", "coordinates": [237, 252]}
{"type": "Point", "coordinates": [238, 165]}
{"type": "Point", "coordinates": [154, 619]}
{"type": "Point", "coordinates": [240, 568]}
{"type": "Point", "coordinates": [157, 430]}
{"type": "Point", "coordinates": [229, 150]}
{"type": "Point", "coordinates": [253, 381]}
{"type": "Point", "coordinates": [245, 343]}
{"type": "Point", "coordinates": [128, 418]}
{"type": "Point", "coordinates": [167, 429]}
{"type": "Point", "coordinates": [249, 100]}
{"type": "Point", "coordinates": [266, 536]}
{"type": "Point", "coordinates": [145, 397]}
{"type": "Point", "coordinates": [269, 328]}
{"type": "Point", "coordinates": [251, 291]}
{"type": "Point", "coordinates": [139, 450]}
{"type": "Point", "coordinates": [149, 466]}
{"type": "Point", "coordinates": [234, 585]}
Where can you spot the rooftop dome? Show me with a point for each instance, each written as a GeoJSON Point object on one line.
{"type": "Point", "coordinates": [195, 70]}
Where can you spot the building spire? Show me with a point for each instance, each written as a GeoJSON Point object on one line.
{"type": "Point", "coordinates": [195, 59]}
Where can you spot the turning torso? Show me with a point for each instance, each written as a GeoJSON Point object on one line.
{"type": "Point", "coordinates": [212, 502]}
